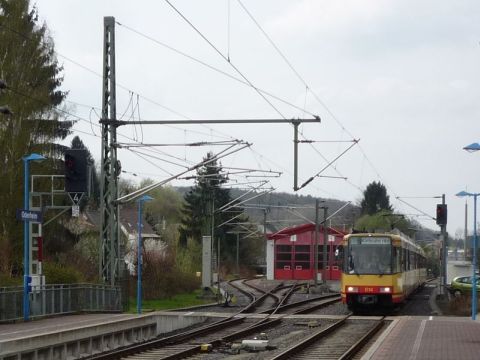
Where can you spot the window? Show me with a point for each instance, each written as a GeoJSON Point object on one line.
{"type": "Point", "coordinates": [397, 260]}
{"type": "Point", "coordinates": [302, 248]}
{"type": "Point", "coordinates": [302, 257]}
{"type": "Point", "coordinates": [284, 248]}
{"type": "Point", "coordinates": [369, 255]}
{"type": "Point", "coordinates": [283, 257]}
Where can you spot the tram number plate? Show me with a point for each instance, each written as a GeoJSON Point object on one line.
{"type": "Point", "coordinates": [369, 290]}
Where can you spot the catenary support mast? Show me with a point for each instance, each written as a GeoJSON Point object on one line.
{"type": "Point", "coordinates": [109, 233]}
{"type": "Point", "coordinates": [111, 257]}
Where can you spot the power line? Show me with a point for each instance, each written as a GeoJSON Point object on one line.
{"type": "Point", "coordinates": [237, 70]}
{"type": "Point", "coordinates": [213, 68]}
{"type": "Point", "coordinates": [117, 83]}
{"type": "Point", "coordinates": [308, 88]}
{"type": "Point", "coordinates": [223, 56]}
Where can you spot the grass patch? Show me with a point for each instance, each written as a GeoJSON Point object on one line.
{"type": "Point", "coordinates": [177, 301]}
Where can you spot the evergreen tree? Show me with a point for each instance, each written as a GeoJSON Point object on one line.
{"type": "Point", "coordinates": [33, 75]}
{"type": "Point", "coordinates": [197, 209]}
{"type": "Point", "coordinates": [375, 199]}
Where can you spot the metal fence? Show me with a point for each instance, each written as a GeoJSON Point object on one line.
{"type": "Point", "coordinates": [57, 299]}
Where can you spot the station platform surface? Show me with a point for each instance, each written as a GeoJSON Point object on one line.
{"type": "Point", "coordinates": [57, 324]}
{"type": "Point", "coordinates": [430, 337]}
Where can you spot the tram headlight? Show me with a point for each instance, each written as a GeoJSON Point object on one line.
{"type": "Point", "coordinates": [386, 290]}
{"type": "Point", "coordinates": [352, 289]}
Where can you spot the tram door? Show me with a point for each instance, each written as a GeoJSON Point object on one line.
{"type": "Point", "coordinates": [334, 263]}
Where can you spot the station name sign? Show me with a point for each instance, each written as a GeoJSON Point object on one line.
{"type": "Point", "coordinates": [28, 215]}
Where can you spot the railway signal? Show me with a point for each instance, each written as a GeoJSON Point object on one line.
{"type": "Point", "coordinates": [441, 214]}
{"type": "Point", "coordinates": [76, 171]}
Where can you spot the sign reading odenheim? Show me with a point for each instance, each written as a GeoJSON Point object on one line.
{"type": "Point", "coordinates": [28, 215]}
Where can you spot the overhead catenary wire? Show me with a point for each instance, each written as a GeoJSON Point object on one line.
{"type": "Point", "coordinates": [118, 84]}
{"type": "Point", "coordinates": [79, 118]}
{"type": "Point", "coordinates": [318, 174]}
{"type": "Point", "coordinates": [261, 92]}
{"type": "Point", "coordinates": [136, 194]}
{"type": "Point", "coordinates": [141, 156]}
{"type": "Point", "coordinates": [215, 69]}
{"type": "Point", "coordinates": [75, 115]}
{"type": "Point", "coordinates": [224, 57]}
{"type": "Point", "coordinates": [89, 121]}
{"type": "Point", "coordinates": [309, 88]}
{"type": "Point", "coordinates": [199, 143]}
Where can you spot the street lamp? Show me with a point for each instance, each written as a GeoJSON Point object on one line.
{"type": "Point", "coordinates": [140, 201]}
{"type": "Point", "coordinates": [26, 251]}
{"type": "Point", "coordinates": [474, 277]}
{"type": "Point", "coordinates": [472, 147]}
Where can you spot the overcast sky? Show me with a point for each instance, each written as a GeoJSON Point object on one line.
{"type": "Point", "coordinates": [402, 76]}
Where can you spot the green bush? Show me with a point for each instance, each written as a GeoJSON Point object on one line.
{"type": "Point", "coordinates": [7, 280]}
{"type": "Point", "coordinates": [163, 279]}
{"type": "Point", "coordinates": [61, 274]}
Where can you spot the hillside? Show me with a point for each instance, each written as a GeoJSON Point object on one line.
{"type": "Point", "coordinates": [284, 209]}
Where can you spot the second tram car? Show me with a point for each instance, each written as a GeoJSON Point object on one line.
{"type": "Point", "coordinates": [380, 269]}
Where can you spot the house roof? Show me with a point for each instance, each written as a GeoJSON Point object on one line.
{"type": "Point", "coordinates": [128, 220]}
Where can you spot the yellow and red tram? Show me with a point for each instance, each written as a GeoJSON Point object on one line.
{"type": "Point", "coordinates": [380, 269]}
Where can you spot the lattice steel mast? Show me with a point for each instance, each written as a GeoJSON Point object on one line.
{"type": "Point", "coordinates": [109, 234]}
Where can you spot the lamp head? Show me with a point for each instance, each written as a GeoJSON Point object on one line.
{"type": "Point", "coordinates": [145, 198]}
{"type": "Point", "coordinates": [472, 147]}
{"type": "Point", "coordinates": [463, 193]}
{"type": "Point", "coordinates": [34, 157]}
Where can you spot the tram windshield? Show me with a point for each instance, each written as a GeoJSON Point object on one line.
{"type": "Point", "coordinates": [369, 255]}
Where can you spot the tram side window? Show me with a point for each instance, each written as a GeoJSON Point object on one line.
{"type": "Point", "coordinates": [422, 262]}
{"type": "Point", "coordinates": [412, 260]}
{"type": "Point", "coordinates": [405, 260]}
{"type": "Point", "coordinates": [397, 260]}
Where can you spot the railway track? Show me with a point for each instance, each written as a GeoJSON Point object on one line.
{"type": "Point", "coordinates": [236, 326]}
{"type": "Point", "coordinates": [341, 340]}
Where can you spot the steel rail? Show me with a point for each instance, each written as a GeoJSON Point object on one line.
{"type": "Point", "coordinates": [310, 340]}
{"type": "Point", "coordinates": [219, 325]}
{"type": "Point", "coordinates": [355, 348]}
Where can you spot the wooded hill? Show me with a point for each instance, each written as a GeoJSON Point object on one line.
{"type": "Point", "coordinates": [302, 209]}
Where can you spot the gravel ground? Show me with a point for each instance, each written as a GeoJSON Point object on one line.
{"type": "Point", "coordinates": [418, 304]}
{"type": "Point", "coordinates": [334, 309]}
{"type": "Point", "coordinates": [286, 334]}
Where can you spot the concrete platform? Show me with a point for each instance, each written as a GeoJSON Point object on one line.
{"type": "Point", "coordinates": [78, 336]}
{"type": "Point", "coordinates": [418, 338]}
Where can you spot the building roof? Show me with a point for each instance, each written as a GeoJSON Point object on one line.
{"type": "Point", "coordinates": [128, 220]}
{"type": "Point", "coordinates": [293, 230]}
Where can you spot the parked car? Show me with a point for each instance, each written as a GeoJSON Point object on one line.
{"type": "Point", "coordinates": [463, 284]}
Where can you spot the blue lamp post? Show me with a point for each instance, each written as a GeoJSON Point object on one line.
{"type": "Point", "coordinates": [26, 246]}
{"type": "Point", "coordinates": [140, 201]}
{"type": "Point", "coordinates": [474, 277]}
